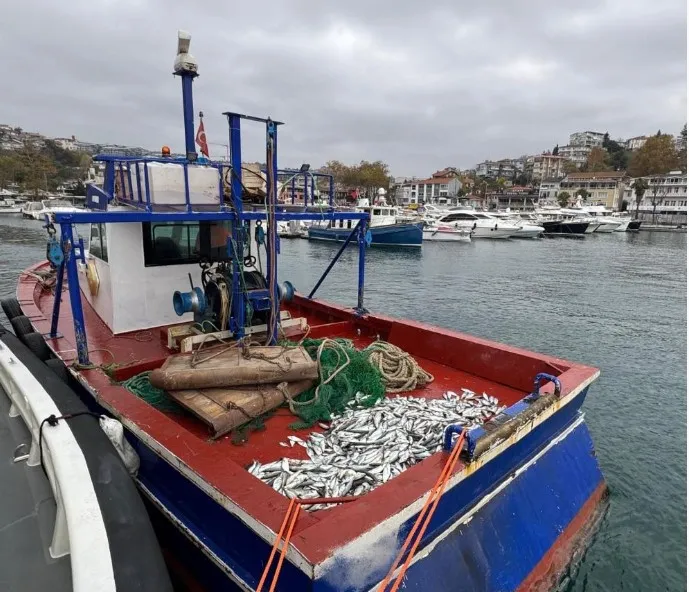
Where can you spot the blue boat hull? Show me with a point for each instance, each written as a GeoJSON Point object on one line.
{"type": "Point", "coordinates": [489, 532]}
{"type": "Point", "coordinates": [395, 235]}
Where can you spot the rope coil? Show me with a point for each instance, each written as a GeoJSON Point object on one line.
{"type": "Point", "coordinates": [399, 370]}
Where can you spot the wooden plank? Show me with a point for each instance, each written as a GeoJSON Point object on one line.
{"type": "Point", "coordinates": [223, 409]}
{"type": "Point", "coordinates": [187, 344]}
{"type": "Point", "coordinates": [235, 366]}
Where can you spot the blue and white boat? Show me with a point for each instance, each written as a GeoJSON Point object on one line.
{"type": "Point", "coordinates": [383, 231]}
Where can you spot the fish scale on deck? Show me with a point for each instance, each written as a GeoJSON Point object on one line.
{"type": "Point", "coordinates": [364, 447]}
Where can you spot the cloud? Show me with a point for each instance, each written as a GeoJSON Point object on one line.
{"type": "Point", "coordinates": [419, 85]}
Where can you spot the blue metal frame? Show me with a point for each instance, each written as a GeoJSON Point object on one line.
{"type": "Point", "coordinates": [143, 212]}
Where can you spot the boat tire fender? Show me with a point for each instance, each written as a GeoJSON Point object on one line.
{"type": "Point", "coordinates": [21, 325]}
{"type": "Point", "coordinates": [11, 308]}
{"type": "Point", "coordinates": [36, 343]}
{"type": "Point", "coordinates": [58, 367]}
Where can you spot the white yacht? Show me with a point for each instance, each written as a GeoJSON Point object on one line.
{"type": "Point", "coordinates": [39, 209]}
{"type": "Point", "coordinates": [580, 215]}
{"type": "Point", "coordinates": [10, 206]}
{"type": "Point", "coordinates": [525, 228]}
{"type": "Point", "coordinates": [603, 216]}
{"type": "Point", "coordinates": [625, 219]}
{"type": "Point", "coordinates": [481, 223]}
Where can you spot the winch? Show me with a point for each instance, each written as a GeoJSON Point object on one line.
{"type": "Point", "coordinates": [212, 303]}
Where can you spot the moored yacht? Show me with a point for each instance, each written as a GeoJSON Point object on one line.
{"type": "Point", "coordinates": [524, 228]}
{"type": "Point", "coordinates": [482, 224]}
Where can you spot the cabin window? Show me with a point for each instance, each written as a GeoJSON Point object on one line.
{"type": "Point", "coordinates": [179, 243]}
{"type": "Point", "coordinates": [98, 244]}
{"type": "Point", "coordinates": [376, 212]}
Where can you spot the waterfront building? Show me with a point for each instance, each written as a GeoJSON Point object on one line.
{"type": "Point", "coordinates": [603, 187]}
{"type": "Point", "coordinates": [549, 189]}
{"type": "Point", "coordinates": [668, 192]}
{"type": "Point", "coordinates": [441, 188]}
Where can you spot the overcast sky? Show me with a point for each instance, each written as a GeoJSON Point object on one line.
{"type": "Point", "coordinates": [420, 85]}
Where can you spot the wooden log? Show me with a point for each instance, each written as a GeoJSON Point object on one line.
{"type": "Point", "coordinates": [235, 367]}
{"type": "Point", "coordinates": [223, 409]}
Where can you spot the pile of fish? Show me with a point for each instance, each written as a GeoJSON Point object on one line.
{"type": "Point", "coordinates": [364, 447]}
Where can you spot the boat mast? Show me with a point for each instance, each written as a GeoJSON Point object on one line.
{"type": "Point", "coordinates": [187, 68]}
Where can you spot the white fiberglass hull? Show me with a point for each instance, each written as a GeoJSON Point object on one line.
{"type": "Point", "coordinates": [12, 210]}
{"type": "Point", "coordinates": [529, 231]}
{"type": "Point", "coordinates": [447, 235]}
{"type": "Point", "coordinates": [593, 226]}
{"type": "Point", "coordinates": [608, 226]}
{"type": "Point", "coordinates": [625, 224]}
{"type": "Point", "coordinates": [493, 231]}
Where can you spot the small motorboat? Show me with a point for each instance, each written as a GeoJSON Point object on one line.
{"type": "Point", "coordinates": [447, 233]}
{"type": "Point", "coordinates": [10, 206]}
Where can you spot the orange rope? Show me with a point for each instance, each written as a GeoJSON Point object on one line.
{"type": "Point", "coordinates": [291, 516]}
{"type": "Point", "coordinates": [295, 515]}
{"type": "Point", "coordinates": [278, 538]}
{"type": "Point", "coordinates": [424, 516]}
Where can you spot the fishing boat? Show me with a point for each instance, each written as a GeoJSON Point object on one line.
{"type": "Point", "coordinates": [447, 233]}
{"type": "Point", "coordinates": [383, 228]}
{"type": "Point", "coordinates": [506, 504]}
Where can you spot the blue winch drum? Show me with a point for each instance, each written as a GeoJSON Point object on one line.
{"type": "Point", "coordinates": [286, 291]}
{"type": "Point", "coordinates": [193, 301]}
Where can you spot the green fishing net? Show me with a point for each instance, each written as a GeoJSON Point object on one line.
{"type": "Point", "coordinates": [334, 392]}
{"type": "Point", "coordinates": [359, 376]}
{"type": "Point", "coordinates": [141, 386]}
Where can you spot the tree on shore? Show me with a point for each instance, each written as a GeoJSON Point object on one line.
{"type": "Point", "coordinates": [682, 151]}
{"type": "Point", "coordinates": [639, 186]}
{"type": "Point", "coordinates": [582, 193]}
{"type": "Point", "coordinates": [366, 177]}
{"type": "Point", "coordinates": [596, 161]}
{"type": "Point", "coordinates": [657, 156]}
{"type": "Point", "coordinates": [563, 198]}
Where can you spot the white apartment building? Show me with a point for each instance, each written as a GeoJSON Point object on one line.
{"type": "Point", "coordinates": [545, 166]}
{"type": "Point", "coordinates": [436, 190]}
{"type": "Point", "coordinates": [494, 169]}
{"type": "Point", "coordinates": [577, 154]}
{"type": "Point", "coordinates": [66, 143]}
{"type": "Point", "coordinates": [549, 189]}
{"type": "Point", "coordinates": [588, 138]}
{"type": "Point", "coordinates": [636, 142]}
{"type": "Point", "coordinates": [669, 192]}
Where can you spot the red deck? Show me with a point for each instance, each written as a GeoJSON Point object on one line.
{"type": "Point", "coordinates": [456, 360]}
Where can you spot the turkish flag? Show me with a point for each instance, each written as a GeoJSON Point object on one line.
{"type": "Point", "coordinates": [201, 140]}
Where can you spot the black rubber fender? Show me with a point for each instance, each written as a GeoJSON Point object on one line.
{"type": "Point", "coordinates": [21, 325]}
{"type": "Point", "coordinates": [36, 343]}
{"type": "Point", "coordinates": [59, 368]}
{"type": "Point", "coordinates": [11, 308]}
